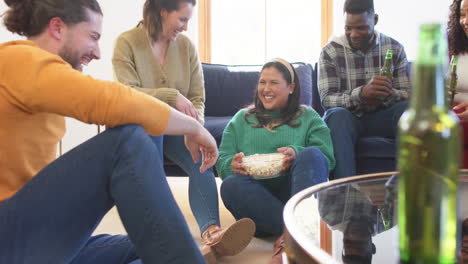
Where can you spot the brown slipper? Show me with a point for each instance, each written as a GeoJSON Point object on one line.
{"type": "Point", "coordinates": [229, 241]}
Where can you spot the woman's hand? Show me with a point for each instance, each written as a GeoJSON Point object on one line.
{"type": "Point", "coordinates": [236, 165]}
{"type": "Point", "coordinates": [185, 106]}
{"type": "Point", "coordinates": [462, 111]}
{"type": "Point", "coordinates": [290, 155]}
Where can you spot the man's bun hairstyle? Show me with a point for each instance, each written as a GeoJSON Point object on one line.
{"type": "Point", "coordinates": [17, 18]}
{"type": "Point", "coordinates": [11, 3]}
{"type": "Point", "coordinates": [30, 17]}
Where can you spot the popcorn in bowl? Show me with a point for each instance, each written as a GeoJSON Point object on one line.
{"type": "Point", "coordinates": [264, 166]}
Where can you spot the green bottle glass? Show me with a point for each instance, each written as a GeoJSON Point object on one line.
{"type": "Point", "coordinates": [452, 80]}
{"type": "Point", "coordinates": [428, 160]}
{"type": "Point", "coordinates": [387, 69]}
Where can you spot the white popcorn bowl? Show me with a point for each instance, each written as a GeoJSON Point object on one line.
{"type": "Point", "coordinates": [264, 166]}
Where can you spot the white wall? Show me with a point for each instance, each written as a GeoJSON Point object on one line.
{"type": "Point", "coordinates": [253, 31]}
{"type": "Point", "coordinates": [119, 16]}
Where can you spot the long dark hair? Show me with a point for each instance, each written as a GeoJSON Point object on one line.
{"type": "Point", "coordinates": [30, 17]}
{"type": "Point", "coordinates": [457, 40]}
{"type": "Point", "coordinates": [152, 14]}
{"type": "Point", "coordinates": [289, 113]}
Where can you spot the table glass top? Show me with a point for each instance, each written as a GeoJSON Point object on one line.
{"type": "Point", "coordinates": [360, 211]}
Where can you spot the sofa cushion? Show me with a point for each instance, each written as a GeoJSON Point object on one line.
{"type": "Point", "coordinates": [215, 125]}
{"type": "Point", "coordinates": [229, 88]}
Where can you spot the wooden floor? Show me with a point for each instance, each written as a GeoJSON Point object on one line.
{"type": "Point", "coordinates": [258, 252]}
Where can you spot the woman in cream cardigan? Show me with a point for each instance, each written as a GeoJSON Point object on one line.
{"type": "Point", "coordinates": [156, 59]}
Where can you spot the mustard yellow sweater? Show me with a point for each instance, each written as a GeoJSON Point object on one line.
{"type": "Point", "coordinates": [37, 89]}
{"type": "Point", "coordinates": [135, 64]}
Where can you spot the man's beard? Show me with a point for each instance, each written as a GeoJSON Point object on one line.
{"type": "Point", "coordinates": [71, 57]}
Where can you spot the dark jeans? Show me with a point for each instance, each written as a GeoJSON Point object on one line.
{"type": "Point", "coordinates": [245, 196]}
{"type": "Point", "coordinates": [51, 219]}
{"type": "Point", "coordinates": [346, 129]}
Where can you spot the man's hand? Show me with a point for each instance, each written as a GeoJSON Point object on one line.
{"type": "Point", "coordinates": [185, 106]}
{"type": "Point", "coordinates": [462, 111]}
{"type": "Point", "coordinates": [236, 165]}
{"type": "Point", "coordinates": [372, 105]}
{"type": "Point", "coordinates": [290, 156]}
{"type": "Point", "coordinates": [204, 142]}
{"type": "Point", "coordinates": [377, 88]}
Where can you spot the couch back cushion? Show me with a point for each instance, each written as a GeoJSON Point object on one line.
{"type": "Point", "coordinates": [229, 88]}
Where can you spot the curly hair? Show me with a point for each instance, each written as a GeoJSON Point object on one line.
{"type": "Point", "coordinates": [457, 40]}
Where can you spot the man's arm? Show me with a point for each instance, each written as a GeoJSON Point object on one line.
{"type": "Point", "coordinates": [46, 83]}
{"type": "Point", "coordinates": [333, 93]}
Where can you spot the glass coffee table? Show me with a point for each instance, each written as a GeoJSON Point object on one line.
{"type": "Point", "coordinates": [361, 214]}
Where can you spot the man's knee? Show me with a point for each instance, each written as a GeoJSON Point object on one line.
{"type": "Point", "coordinates": [337, 115]}
{"type": "Point", "coordinates": [134, 140]}
{"type": "Point", "coordinates": [129, 130]}
{"type": "Point", "coordinates": [133, 134]}
{"type": "Point", "coordinates": [400, 107]}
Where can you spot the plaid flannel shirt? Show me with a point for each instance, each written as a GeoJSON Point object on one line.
{"type": "Point", "coordinates": [339, 205]}
{"type": "Point", "coordinates": [343, 71]}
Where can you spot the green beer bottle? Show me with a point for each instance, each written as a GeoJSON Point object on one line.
{"type": "Point", "coordinates": [452, 80]}
{"type": "Point", "coordinates": [387, 69]}
{"type": "Point", "coordinates": [428, 160]}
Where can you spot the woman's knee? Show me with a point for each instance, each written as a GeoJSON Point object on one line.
{"type": "Point", "coordinates": [311, 154]}
{"type": "Point", "coordinates": [231, 186]}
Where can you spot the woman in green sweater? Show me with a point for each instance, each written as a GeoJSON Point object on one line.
{"type": "Point", "coordinates": [276, 122]}
{"type": "Point", "coordinates": [156, 59]}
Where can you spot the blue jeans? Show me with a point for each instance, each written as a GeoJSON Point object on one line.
{"type": "Point", "coordinates": [51, 219]}
{"type": "Point", "coordinates": [346, 129]}
{"type": "Point", "coordinates": [203, 192]}
{"type": "Point", "coordinates": [245, 196]}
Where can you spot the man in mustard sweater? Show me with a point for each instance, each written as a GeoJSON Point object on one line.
{"type": "Point", "coordinates": [49, 209]}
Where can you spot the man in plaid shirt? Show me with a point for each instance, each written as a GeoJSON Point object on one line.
{"type": "Point", "coordinates": [358, 101]}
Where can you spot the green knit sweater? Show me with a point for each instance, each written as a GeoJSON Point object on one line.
{"type": "Point", "coordinates": [135, 65]}
{"type": "Point", "coordinates": [239, 136]}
